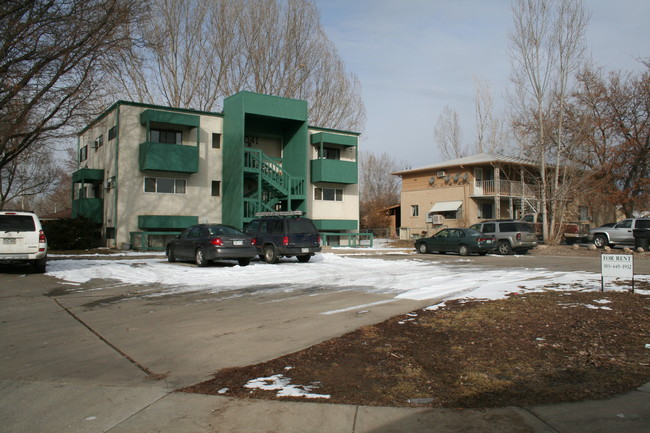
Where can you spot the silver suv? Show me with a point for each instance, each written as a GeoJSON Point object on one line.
{"type": "Point", "coordinates": [22, 239]}
{"type": "Point", "coordinates": [621, 233]}
{"type": "Point", "coordinates": [511, 235]}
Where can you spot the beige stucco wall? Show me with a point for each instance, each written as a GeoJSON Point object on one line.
{"type": "Point", "coordinates": [197, 200]}
{"type": "Point", "coordinates": [132, 200]}
{"type": "Point", "coordinates": [348, 209]}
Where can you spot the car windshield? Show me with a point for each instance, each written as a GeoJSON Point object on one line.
{"type": "Point", "coordinates": [223, 230]}
{"type": "Point", "coordinates": [16, 223]}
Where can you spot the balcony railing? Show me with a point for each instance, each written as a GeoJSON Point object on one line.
{"type": "Point", "coordinates": [504, 188]}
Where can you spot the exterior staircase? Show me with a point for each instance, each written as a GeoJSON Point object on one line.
{"type": "Point", "coordinates": [277, 190]}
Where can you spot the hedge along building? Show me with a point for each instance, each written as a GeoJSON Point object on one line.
{"type": "Point", "coordinates": [146, 172]}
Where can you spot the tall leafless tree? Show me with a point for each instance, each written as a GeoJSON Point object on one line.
{"type": "Point", "coordinates": [200, 51]}
{"type": "Point", "coordinates": [546, 47]}
{"type": "Point", "coordinates": [52, 54]}
{"type": "Point", "coordinates": [449, 134]}
{"type": "Point", "coordinates": [491, 136]}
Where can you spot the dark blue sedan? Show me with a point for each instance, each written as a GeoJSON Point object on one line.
{"type": "Point", "coordinates": [204, 243]}
{"type": "Point", "coordinates": [461, 241]}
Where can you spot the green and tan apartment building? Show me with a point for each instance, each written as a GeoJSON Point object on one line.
{"type": "Point", "coordinates": [146, 172]}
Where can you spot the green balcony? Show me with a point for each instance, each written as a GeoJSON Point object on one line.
{"type": "Point", "coordinates": [169, 157]}
{"type": "Point", "coordinates": [170, 117]}
{"type": "Point", "coordinates": [87, 175]}
{"type": "Point", "coordinates": [177, 222]}
{"type": "Point", "coordinates": [91, 208]}
{"type": "Point", "coordinates": [334, 171]}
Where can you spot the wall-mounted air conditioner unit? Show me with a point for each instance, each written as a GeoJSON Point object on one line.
{"type": "Point", "coordinates": [109, 183]}
{"type": "Point", "coordinates": [441, 173]}
{"type": "Point", "coordinates": [437, 219]}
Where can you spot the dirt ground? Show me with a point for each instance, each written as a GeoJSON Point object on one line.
{"type": "Point", "coordinates": [530, 349]}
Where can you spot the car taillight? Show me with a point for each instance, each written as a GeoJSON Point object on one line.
{"type": "Point", "coordinates": [483, 239]}
{"type": "Point", "coordinates": [518, 236]}
{"type": "Point", "coordinates": [217, 242]}
{"type": "Point", "coordinates": [41, 237]}
{"type": "Point", "coordinates": [285, 241]}
{"type": "Point", "coordinates": [253, 241]}
{"type": "Point", "coordinates": [318, 239]}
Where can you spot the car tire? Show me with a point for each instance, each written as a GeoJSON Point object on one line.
{"type": "Point", "coordinates": [504, 248]}
{"type": "Point", "coordinates": [423, 248]}
{"type": "Point", "coordinates": [40, 265]}
{"type": "Point", "coordinates": [270, 254]}
{"type": "Point", "coordinates": [243, 262]}
{"type": "Point", "coordinates": [600, 241]}
{"type": "Point", "coordinates": [304, 259]}
{"type": "Point", "coordinates": [199, 258]}
{"type": "Point", "coordinates": [463, 250]}
{"type": "Point", "coordinates": [171, 257]}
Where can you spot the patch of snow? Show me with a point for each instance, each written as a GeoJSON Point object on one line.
{"type": "Point", "coordinates": [282, 385]}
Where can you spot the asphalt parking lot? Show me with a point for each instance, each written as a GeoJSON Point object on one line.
{"type": "Point", "coordinates": [97, 357]}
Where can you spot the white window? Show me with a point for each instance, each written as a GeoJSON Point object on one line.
{"type": "Point", "coordinates": [163, 185]}
{"type": "Point", "coordinates": [330, 194]}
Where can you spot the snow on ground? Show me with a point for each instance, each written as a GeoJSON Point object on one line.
{"type": "Point", "coordinates": [404, 279]}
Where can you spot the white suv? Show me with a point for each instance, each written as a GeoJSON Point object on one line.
{"type": "Point", "coordinates": [22, 239]}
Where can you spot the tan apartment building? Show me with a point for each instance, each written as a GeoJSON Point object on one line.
{"type": "Point", "coordinates": [461, 192]}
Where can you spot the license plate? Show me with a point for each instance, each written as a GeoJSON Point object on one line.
{"type": "Point", "coordinates": [489, 242]}
{"type": "Point", "coordinates": [238, 243]}
{"type": "Point", "coordinates": [305, 250]}
{"type": "Point", "coordinates": [9, 241]}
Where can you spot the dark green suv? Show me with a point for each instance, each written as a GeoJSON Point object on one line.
{"type": "Point", "coordinates": [281, 234]}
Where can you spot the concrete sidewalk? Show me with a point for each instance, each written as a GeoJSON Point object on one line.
{"type": "Point", "coordinates": [49, 407]}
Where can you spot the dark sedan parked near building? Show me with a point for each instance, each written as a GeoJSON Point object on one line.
{"type": "Point", "coordinates": [461, 241]}
{"type": "Point", "coordinates": [204, 243]}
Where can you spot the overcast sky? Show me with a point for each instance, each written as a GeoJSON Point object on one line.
{"type": "Point", "coordinates": [414, 57]}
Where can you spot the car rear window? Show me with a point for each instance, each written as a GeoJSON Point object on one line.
{"type": "Point", "coordinates": [301, 226]}
{"type": "Point", "coordinates": [17, 223]}
{"type": "Point", "coordinates": [223, 230]}
{"type": "Point", "coordinates": [515, 227]}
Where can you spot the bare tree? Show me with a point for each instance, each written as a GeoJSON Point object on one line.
{"type": "Point", "coordinates": [449, 135]}
{"type": "Point", "coordinates": [27, 178]}
{"type": "Point", "coordinates": [546, 45]}
{"type": "Point", "coordinates": [378, 188]}
{"type": "Point", "coordinates": [568, 38]}
{"type": "Point", "coordinates": [198, 52]}
{"type": "Point", "coordinates": [51, 58]}
{"type": "Point", "coordinates": [491, 136]}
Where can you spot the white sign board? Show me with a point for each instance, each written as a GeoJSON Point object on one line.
{"type": "Point", "coordinates": [617, 265]}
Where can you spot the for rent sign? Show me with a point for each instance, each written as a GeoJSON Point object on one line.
{"type": "Point", "coordinates": [617, 265]}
